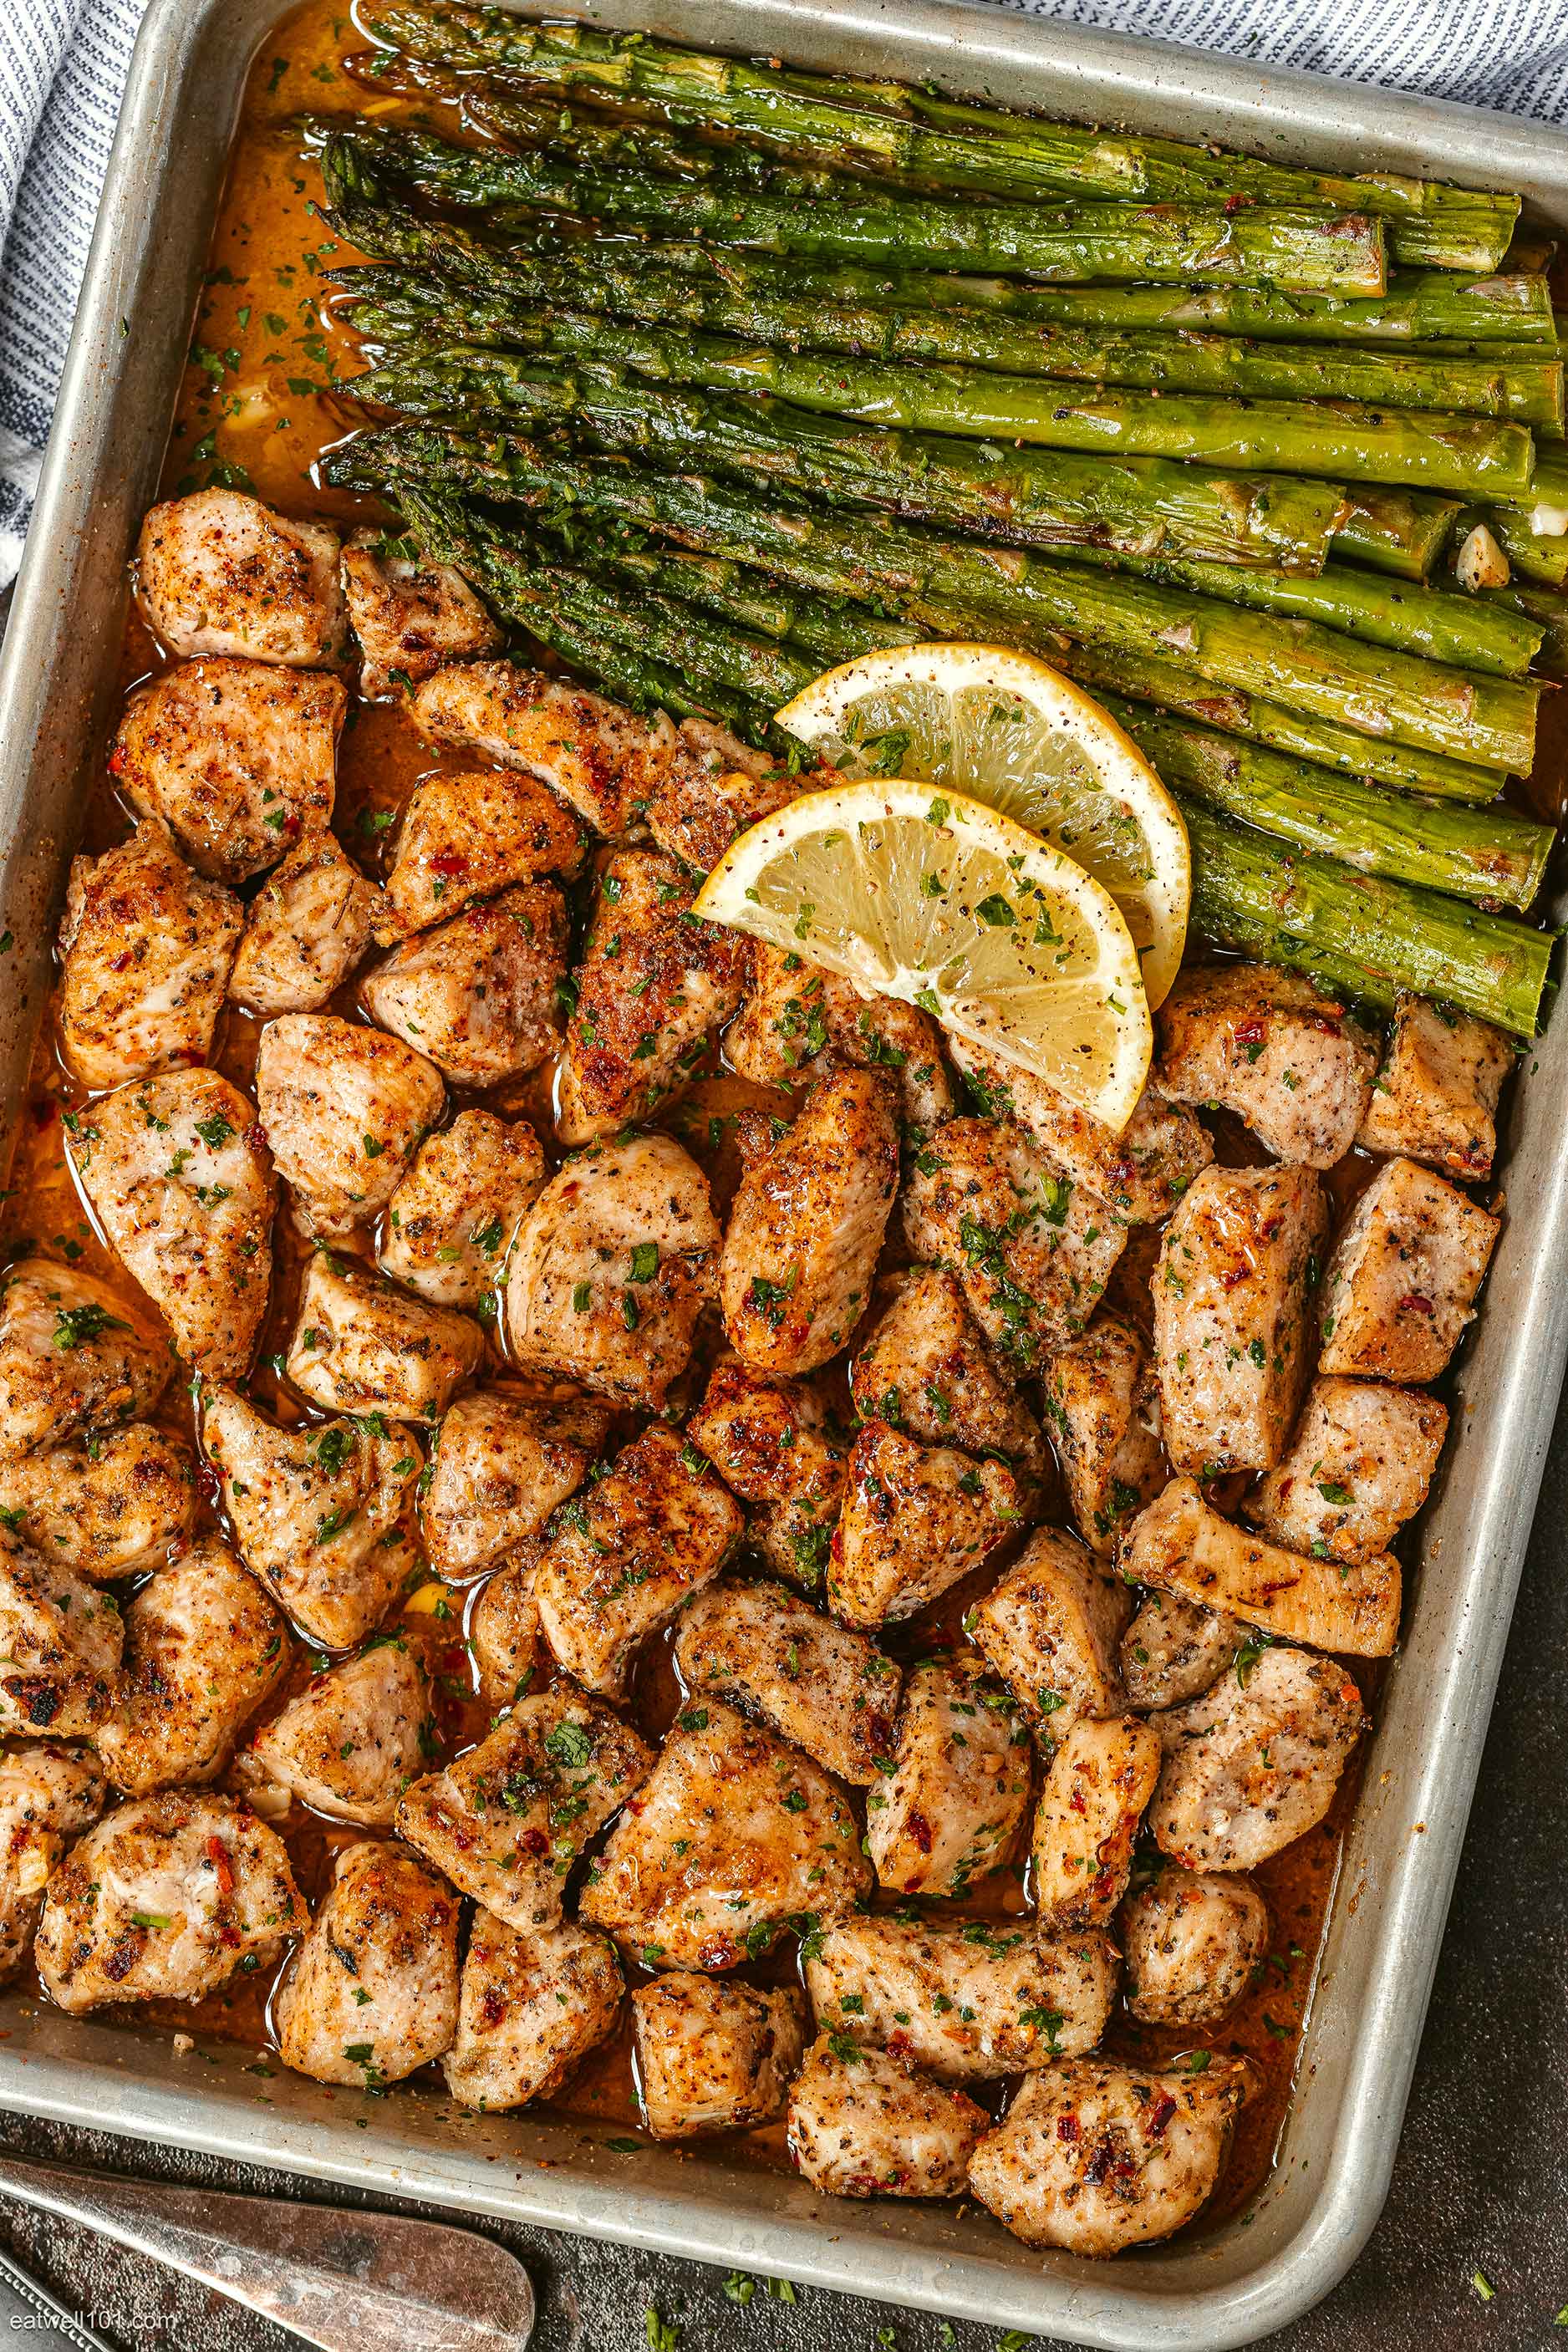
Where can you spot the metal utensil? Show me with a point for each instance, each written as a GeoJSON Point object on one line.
{"type": "Point", "coordinates": [345, 2279]}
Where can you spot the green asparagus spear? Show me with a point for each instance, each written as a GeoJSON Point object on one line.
{"type": "Point", "coordinates": [1480, 458]}
{"type": "Point", "coordinates": [1425, 308]}
{"type": "Point", "coordinates": [1549, 609]}
{"type": "Point", "coordinates": [1171, 688]}
{"type": "Point", "coordinates": [1360, 935]}
{"type": "Point", "coordinates": [1439, 626]}
{"type": "Point", "coordinates": [397, 305]}
{"type": "Point", "coordinates": [1490, 857]}
{"type": "Point", "coordinates": [1295, 249]}
{"type": "Point", "coordinates": [1318, 671]}
{"type": "Point", "coordinates": [917, 138]}
{"type": "Point", "coordinates": [1401, 531]}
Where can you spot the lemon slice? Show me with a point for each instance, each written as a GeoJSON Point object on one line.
{"type": "Point", "coordinates": [1005, 729]}
{"type": "Point", "coordinates": [940, 900]}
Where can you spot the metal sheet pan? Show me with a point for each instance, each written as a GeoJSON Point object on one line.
{"type": "Point", "coordinates": [1316, 2212]}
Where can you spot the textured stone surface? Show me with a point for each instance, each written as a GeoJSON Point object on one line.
{"type": "Point", "coordinates": [1481, 2182]}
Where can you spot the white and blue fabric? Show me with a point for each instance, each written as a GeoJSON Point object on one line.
{"type": "Point", "coordinates": [63, 65]}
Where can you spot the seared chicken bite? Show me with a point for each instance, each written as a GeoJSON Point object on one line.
{"type": "Point", "coordinates": [164, 1900]}
{"type": "Point", "coordinates": [1191, 1941]}
{"type": "Point", "coordinates": [1255, 1761]}
{"type": "Point", "coordinates": [969, 2002]}
{"type": "Point", "coordinates": [734, 1835]}
{"type": "Point", "coordinates": [507, 1821]}
{"type": "Point", "coordinates": [218, 572]}
{"type": "Point", "coordinates": [409, 614]}
{"type": "Point", "coordinates": [480, 993]}
{"type": "Point", "coordinates": [1173, 1651]}
{"type": "Point", "coordinates": [620, 1563]}
{"type": "Point", "coordinates": [795, 1013]}
{"type": "Point", "coordinates": [363, 1346]}
{"type": "Point", "coordinates": [469, 836]}
{"type": "Point", "coordinates": [711, 2056]}
{"type": "Point", "coordinates": [107, 1509]}
{"type": "Point", "coordinates": [60, 1643]}
{"type": "Point", "coordinates": [504, 1631]}
{"type": "Point", "coordinates": [598, 757]}
{"type": "Point", "coordinates": [372, 1993]}
{"type": "Point", "coordinates": [1273, 1047]}
{"type": "Point", "coordinates": [145, 948]}
{"type": "Point", "coordinates": [610, 1268]}
{"type": "Point", "coordinates": [1050, 1627]}
{"type": "Point", "coordinates": [1358, 1467]}
{"type": "Point", "coordinates": [344, 1109]}
{"type": "Point", "coordinates": [48, 1792]}
{"type": "Point", "coordinates": [713, 788]}
{"type": "Point", "coordinates": [1181, 1545]}
{"type": "Point", "coordinates": [1435, 1097]}
{"type": "Point", "coordinates": [1402, 1283]}
{"type": "Point", "coordinates": [770, 1654]}
{"type": "Point", "coordinates": [503, 1462]}
{"type": "Point", "coordinates": [773, 1444]}
{"type": "Point", "coordinates": [863, 2125]}
{"type": "Point", "coordinates": [1032, 1249]}
{"type": "Point", "coordinates": [653, 985]}
{"type": "Point", "coordinates": [1102, 1401]}
{"type": "Point", "coordinates": [950, 1810]}
{"type": "Point", "coordinates": [316, 1512]}
{"type": "Point", "coordinates": [806, 1226]}
{"type": "Point", "coordinates": [1095, 2156]}
{"type": "Point", "coordinates": [925, 1369]}
{"type": "Point", "coordinates": [203, 1647]}
{"type": "Point", "coordinates": [354, 1738]}
{"type": "Point", "coordinates": [74, 1359]}
{"type": "Point", "coordinates": [531, 2009]}
{"type": "Point", "coordinates": [1096, 1787]}
{"type": "Point", "coordinates": [451, 1217]}
{"type": "Point", "coordinates": [916, 1520]}
{"type": "Point", "coordinates": [183, 1185]}
{"type": "Point", "coordinates": [238, 759]}
{"type": "Point", "coordinates": [1231, 1335]}
{"type": "Point", "coordinates": [1140, 1174]}
{"type": "Point", "coordinates": [305, 930]}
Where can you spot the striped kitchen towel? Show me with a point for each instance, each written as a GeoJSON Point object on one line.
{"type": "Point", "coordinates": [63, 64]}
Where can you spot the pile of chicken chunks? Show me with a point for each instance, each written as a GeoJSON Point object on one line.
{"type": "Point", "coordinates": [571, 1388]}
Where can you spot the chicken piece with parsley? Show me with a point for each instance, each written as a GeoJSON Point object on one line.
{"type": "Point", "coordinates": [654, 984]}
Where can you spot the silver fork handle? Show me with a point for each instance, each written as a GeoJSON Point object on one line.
{"type": "Point", "coordinates": [343, 2279]}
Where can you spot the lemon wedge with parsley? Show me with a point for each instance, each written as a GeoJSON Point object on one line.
{"type": "Point", "coordinates": [939, 899]}
{"type": "Point", "coordinates": [1004, 728]}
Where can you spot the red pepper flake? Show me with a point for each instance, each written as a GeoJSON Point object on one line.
{"type": "Point", "coordinates": [1068, 2128]}
{"type": "Point", "coordinates": [921, 1829]}
{"type": "Point", "coordinates": [1234, 1275]}
{"type": "Point", "coordinates": [121, 962]}
{"type": "Point", "coordinates": [1160, 2115]}
{"type": "Point", "coordinates": [1416, 1302]}
{"type": "Point", "coordinates": [1252, 1031]}
{"type": "Point", "coordinates": [534, 1841]}
{"type": "Point", "coordinates": [221, 1862]}
{"type": "Point", "coordinates": [1099, 2164]}
{"type": "Point", "coordinates": [117, 760]}
{"type": "Point", "coordinates": [450, 862]}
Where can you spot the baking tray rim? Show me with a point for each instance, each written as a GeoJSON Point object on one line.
{"type": "Point", "coordinates": [87, 2077]}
